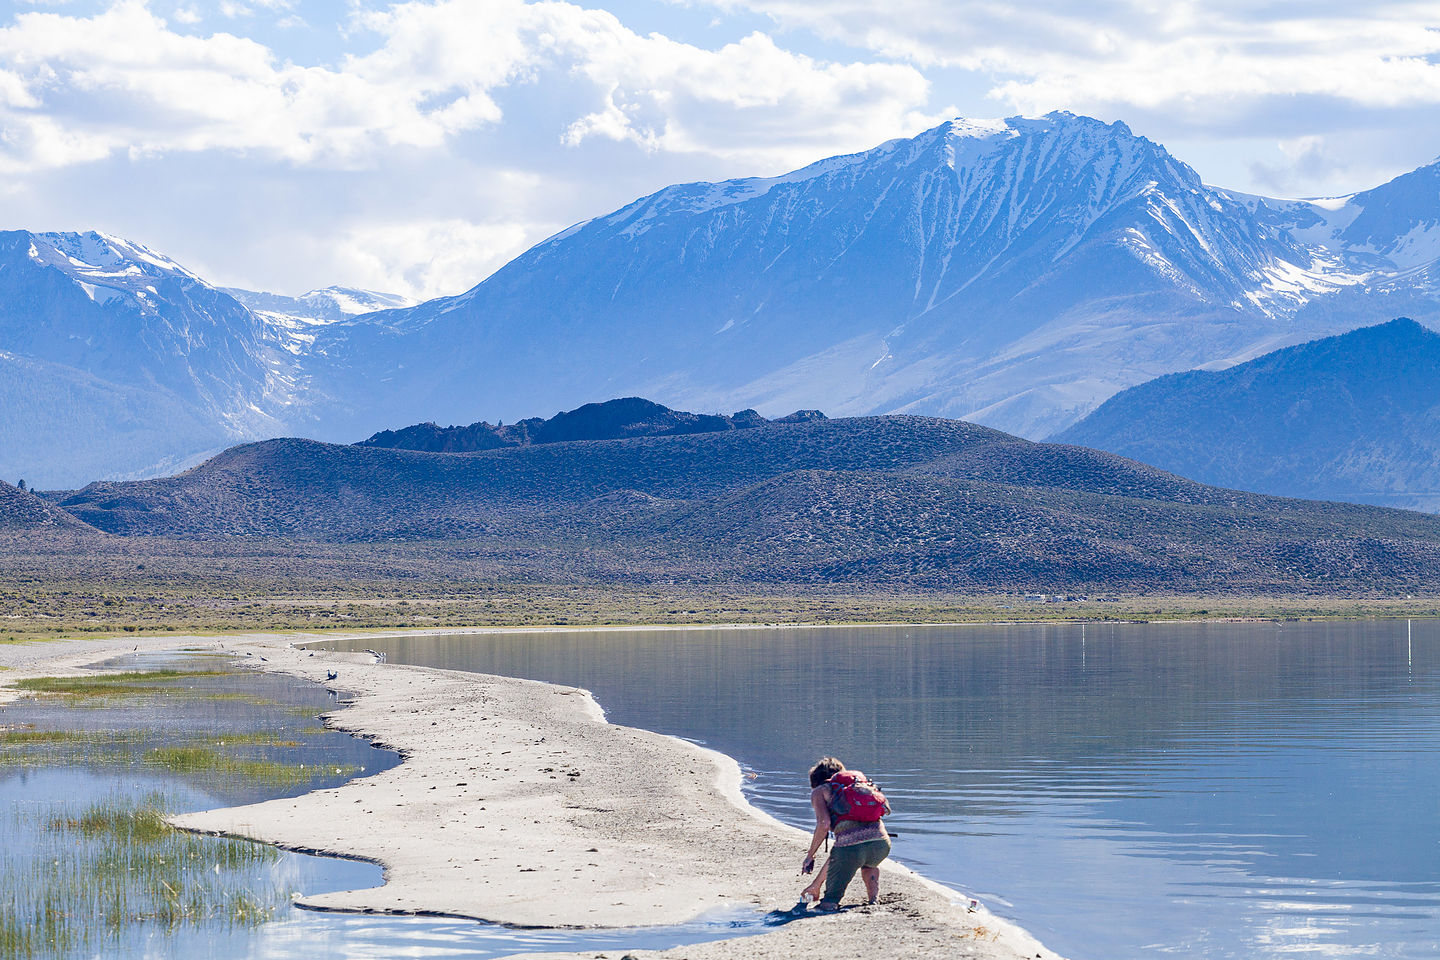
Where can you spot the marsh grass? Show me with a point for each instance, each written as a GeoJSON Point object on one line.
{"type": "Point", "coordinates": [208, 761]}
{"type": "Point", "coordinates": [232, 755]}
{"type": "Point", "coordinates": [28, 738]}
{"type": "Point", "coordinates": [228, 756]}
{"type": "Point", "coordinates": [148, 682]}
{"type": "Point", "coordinates": [91, 876]}
{"type": "Point", "coordinates": [83, 879]}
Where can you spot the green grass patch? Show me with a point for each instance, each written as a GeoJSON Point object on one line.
{"type": "Point", "coordinates": [200, 760]}
{"type": "Point", "coordinates": [149, 682]}
{"type": "Point", "coordinates": [33, 738]}
{"type": "Point", "coordinates": [228, 756]}
{"type": "Point", "coordinates": [90, 877]}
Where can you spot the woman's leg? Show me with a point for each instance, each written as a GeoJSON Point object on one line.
{"type": "Point", "coordinates": [841, 867]}
{"type": "Point", "coordinates": [875, 853]}
{"type": "Point", "coordinates": [871, 876]}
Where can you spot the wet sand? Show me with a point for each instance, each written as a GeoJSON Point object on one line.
{"type": "Point", "coordinates": [517, 803]}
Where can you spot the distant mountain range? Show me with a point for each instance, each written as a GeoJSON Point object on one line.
{"type": "Point", "coordinates": [1353, 417]}
{"type": "Point", "coordinates": [881, 500]}
{"type": "Point", "coordinates": [116, 361]}
{"type": "Point", "coordinates": [1016, 273]}
{"type": "Point", "coordinates": [610, 420]}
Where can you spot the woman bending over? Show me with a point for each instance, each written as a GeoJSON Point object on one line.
{"type": "Point", "coordinates": [845, 804]}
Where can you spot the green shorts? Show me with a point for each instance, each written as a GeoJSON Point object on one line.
{"type": "Point", "coordinates": [844, 861]}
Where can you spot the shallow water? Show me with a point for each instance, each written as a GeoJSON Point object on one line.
{"type": "Point", "coordinates": [37, 787]}
{"type": "Point", "coordinates": [1243, 791]}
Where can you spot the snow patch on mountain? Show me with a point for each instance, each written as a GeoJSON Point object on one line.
{"type": "Point", "coordinates": [293, 319]}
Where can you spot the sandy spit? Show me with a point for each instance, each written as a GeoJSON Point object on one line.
{"type": "Point", "coordinates": [518, 803]}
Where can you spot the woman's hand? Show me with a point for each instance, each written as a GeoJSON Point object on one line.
{"type": "Point", "coordinates": [808, 864]}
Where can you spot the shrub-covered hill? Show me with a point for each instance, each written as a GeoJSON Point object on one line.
{"type": "Point", "coordinates": [1354, 417]}
{"type": "Point", "coordinates": [22, 512]}
{"type": "Point", "coordinates": [897, 499]}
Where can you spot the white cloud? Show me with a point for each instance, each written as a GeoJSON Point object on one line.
{"type": "Point", "coordinates": [747, 99]}
{"type": "Point", "coordinates": [1198, 58]}
{"type": "Point", "coordinates": [427, 258]}
{"type": "Point", "coordinates": [122, 80]}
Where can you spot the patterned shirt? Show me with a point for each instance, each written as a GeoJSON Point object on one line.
{"type": "Point", "coordinates": [850, 832]}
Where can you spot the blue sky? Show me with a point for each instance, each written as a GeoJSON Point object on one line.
{"type": "Point", "coordinates": [415, 147]}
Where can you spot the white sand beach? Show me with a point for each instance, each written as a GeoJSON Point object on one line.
{"type": "Point", "coordinates": [518, 803]}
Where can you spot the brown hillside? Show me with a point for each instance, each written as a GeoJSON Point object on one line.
{"type": "Point", "coordinates": [933, 503]}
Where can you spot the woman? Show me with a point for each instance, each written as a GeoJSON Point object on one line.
{"type": "Point", "coordinates": [859, 845]}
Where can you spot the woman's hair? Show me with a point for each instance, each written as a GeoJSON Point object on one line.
{"type": "Point", "coordinates": [824, 770]}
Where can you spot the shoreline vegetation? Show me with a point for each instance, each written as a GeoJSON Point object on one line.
{"type": "Point", "coordinates": [147, 587]}
{"type": "Point", "coordinates": [502, 810]}
{"type": "Point", "coordinates": [96, 867]}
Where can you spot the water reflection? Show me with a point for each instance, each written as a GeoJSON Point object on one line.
{"type": "Point", "coordinates": [1218, 791]}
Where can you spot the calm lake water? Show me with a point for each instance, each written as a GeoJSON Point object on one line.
{"type": "Point", "coordinates": [1213, 791]}
{"type": "Point", "coordinates": [40, 785]}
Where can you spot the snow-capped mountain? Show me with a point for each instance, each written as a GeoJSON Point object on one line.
{"type": "Point", "coordinates": [1014, 272]}
{"type": "Point", "coordinates": [126, 314]}
{"type": "Point", "coordinates": [117, 361]}
{"type": "Point", "coordinates": [1393, 229]}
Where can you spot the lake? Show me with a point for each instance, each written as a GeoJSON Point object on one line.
{"type": "Point", "coordinates": [1213, 791]}
{"type": "Point", "coordinates": [79, 876]}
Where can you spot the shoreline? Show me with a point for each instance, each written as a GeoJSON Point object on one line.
{"type": "Point", "coordinates": [513, 812]}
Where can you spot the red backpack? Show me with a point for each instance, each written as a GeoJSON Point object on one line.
{"type": "Point", "coordinates": [852, 797]}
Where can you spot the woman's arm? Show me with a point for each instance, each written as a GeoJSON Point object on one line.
{"type": "Point", "coordinates": [822, 825]}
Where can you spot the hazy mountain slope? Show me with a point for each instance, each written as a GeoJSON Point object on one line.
{"type": "Point", "coordinates": [61, 427]}
{"type": "Point", "coordinates": [326, 305]}
{"type": "Point", "coordinates": [127, 315]}
{"type": "Point", "coordinates": [118, 361]}
{"type": "Point", "coordinates": [1354, 417]}
{"type": "Point", "coordinates": [292, 319]}
{"type": "Point", "coordinates": [927, 502]}
{"type": "Point", "coordinates": [966, 269]}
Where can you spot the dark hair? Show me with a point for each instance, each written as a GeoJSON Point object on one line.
{"type": "Point", "coordinates": [824, 770]}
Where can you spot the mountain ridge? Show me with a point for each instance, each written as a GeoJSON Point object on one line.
{"type": "Point", "coordinates": [1013, 272]}
{"type": "Point", "coordinates": [880, 244]}
{"type": "Point", "coordinates": [1352, 417]}
{"type": "Point", "coordinates": [607, 420]}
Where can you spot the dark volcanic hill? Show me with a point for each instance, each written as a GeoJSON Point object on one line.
{"type": "Point", "coordinates": [610, 420]}
{"type": "Point", "coordinates": [1354, 417]}
{"type": "Point", "coordinates": [897, 500]}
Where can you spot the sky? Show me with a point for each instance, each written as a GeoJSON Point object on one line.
{"type": "Point", "coordinates": [415, 147]}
